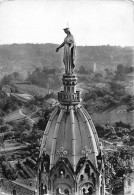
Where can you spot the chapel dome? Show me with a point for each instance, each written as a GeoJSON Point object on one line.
{"type": "Point", "coordinates": [70, 133]}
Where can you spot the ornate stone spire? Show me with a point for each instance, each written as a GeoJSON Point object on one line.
{"type": "Point", "coordinates": [70, 160]}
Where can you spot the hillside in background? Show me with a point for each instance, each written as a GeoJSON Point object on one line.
{"type": "Point", "coordinates": [25, 58]}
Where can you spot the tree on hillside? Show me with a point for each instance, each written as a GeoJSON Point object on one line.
{"type": "Point", "coordinates": [118, 131]}
{"type": "Point", "coordinates": [131, 104]}
{"type": "Point", "coordinates": [97, 77]}
{"type": "Point", "coordinates": [122, 71]}
{"type": "Point", "coordinates": [6, 80]}
{"type": "Point", "coordinates": [109, 73]}
{"type": "Point", "coordinates": [33, 137]}
{"type": "Point", "coordinates": [20, 127]}
{"type": "Point", "coordinates": [117, 88]}
{"type": "Point", "coordinates": [1, 121]}
{"type": "Point", "coordinates": [45, 77]}
{"type": "Point", "coordinates": [117, 165]}
{"type": "Point", "coordinates": [82, 70]}
{"type": "Point", "coordinates": [120, 68]}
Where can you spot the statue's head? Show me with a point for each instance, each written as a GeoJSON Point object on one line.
{"type": "Point", "coordinates": [66, 30]}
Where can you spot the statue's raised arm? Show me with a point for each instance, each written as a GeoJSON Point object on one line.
{"type": "Point", "coordinates": [69, 52]}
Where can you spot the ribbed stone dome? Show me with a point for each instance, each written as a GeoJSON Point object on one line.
{"type": "Point", "coordinates": [70, 133]}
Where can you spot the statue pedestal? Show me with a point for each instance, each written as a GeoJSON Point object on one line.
{"type": "Point", "coordinates": [69, 96]}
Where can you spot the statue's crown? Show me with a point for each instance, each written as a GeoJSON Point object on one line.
{"type": "Point", "coordinates": [66, 28]}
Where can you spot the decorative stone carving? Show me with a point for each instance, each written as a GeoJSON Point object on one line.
{"type": "Point", "coordinates": [62, 152]}
{"type": "Point", "coordinates": [86, 152]}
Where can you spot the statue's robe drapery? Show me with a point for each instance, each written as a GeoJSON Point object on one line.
{"type": "Point", "coordinates": [69, 54]}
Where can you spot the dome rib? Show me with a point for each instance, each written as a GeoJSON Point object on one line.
{"type": "Point", "coordinates": [45, 135]}
{"type": "Point", "coordinates": [56, 130]}
{"type": "Point", "coordinates": [79, 128]}
{"type": "Point", "coordinates": [91, 137]}
{"type": "Point", "coordinates": [73, 138]}
{"type": "Point", "coordinates": [92, 126]}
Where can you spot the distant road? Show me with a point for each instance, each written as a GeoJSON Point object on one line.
{"type": "Point", "coordinates": [17, 115]}
{"type": "Point", "coordinates": [26, 116]}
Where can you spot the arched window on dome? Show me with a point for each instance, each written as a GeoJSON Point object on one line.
{"type": "Point", "coordinates": [90, 191]}
{"type": "Point", "coordinates": [84, 191]}
{"type": "Point", "coordinates": [45, 189]}
{"type": "Point", "coordinates": [61, 171]}
{"type": "Point", "coordinates": [81, 177]}
{"type": "Point", "coordinates": [87, 170]}
{"type": "Point", "coordinates": [55, 176]}
{"type": "Point", "coordinates": [57, 191]}
{"type": "Point", "coordinates": [68, 176]}
{"type": "Point", "coordinates": [66, 191]}
{"type": "Point", "coordinates": [42, 188]}
{"type": "Point", "coordinates": [14, 191]}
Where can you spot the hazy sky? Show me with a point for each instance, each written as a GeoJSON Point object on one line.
{"type": "Point", "coordinates": [91, 22]}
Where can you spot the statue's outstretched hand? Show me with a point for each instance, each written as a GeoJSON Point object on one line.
{"type": "Point", "coordinates": [57, 49]}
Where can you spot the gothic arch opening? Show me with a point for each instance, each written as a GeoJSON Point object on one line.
{"type": "Point", "coordinates": [87, 188]}
{"type": "Point", "coordinates": [90, 190]}
{"type": "Point", "coordinates": [87, 170]}
{"type": "Point", "coordinates": [81, 177]}
{"type": "Point", "coordinates": [63, 188]}
{"type": "Point", "coordinates": [14, 192]}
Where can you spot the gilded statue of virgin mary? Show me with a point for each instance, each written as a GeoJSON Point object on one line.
{"type": "Point", "coordinates": [69, 51]}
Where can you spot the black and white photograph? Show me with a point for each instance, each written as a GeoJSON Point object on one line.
{"type": "Point", "coordinates": [66, 97]}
